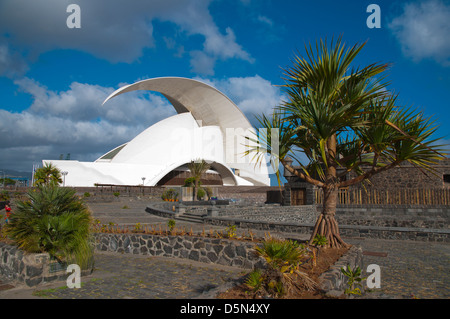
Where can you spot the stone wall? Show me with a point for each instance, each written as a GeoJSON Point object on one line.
{"type": "Point", "coordinates": [244, 194]}
{"type": "Point", "coordinates": [333, 282]}
{"type": "Point", "coordinates": [30, 269]}
{"type": "Point", "coordinates": [394, 216]}
{"type": "Point", "coordinates": [407, 176]}
{"type": "Point", "coordinates": [208, 250]}
{"type": "Point", "coordinates": [218, 251]}
{"type": "Point", "coordinates": [403, 176]}
{"type": "Point", "coordinates": [400, 223]}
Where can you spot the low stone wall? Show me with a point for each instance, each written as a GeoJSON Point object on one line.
{"type": "Point", "coordinates": [396, 233]}
{"type": "Point", "coordinates": [401, 223]}
{"type": "Point", "coordinates": [29, 269]}
{"type": "Point", "coordinates": [208, 250]}
{"type": "Point", "coordinates": [218, 251]}
{"type": "Point", "coordinates": [394, 216]}
{"type": "Point", "coordinates": [35, 269]}
{"type": "Point", "coordinates": [333, 282]}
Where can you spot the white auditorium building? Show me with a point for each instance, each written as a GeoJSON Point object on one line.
{"type": "Point", "coordinates": [208, 126]}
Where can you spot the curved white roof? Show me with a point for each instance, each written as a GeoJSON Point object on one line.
{"type": "Point", "coordinates": [206, 103]}
{"type": "Point", "coordinates": [208, 126]}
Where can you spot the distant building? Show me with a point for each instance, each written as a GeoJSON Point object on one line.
{"type": "Point", "coordinates": [208, 126]}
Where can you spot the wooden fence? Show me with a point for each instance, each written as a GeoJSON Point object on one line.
{"type": "Point", "coordinates": [390, 197]}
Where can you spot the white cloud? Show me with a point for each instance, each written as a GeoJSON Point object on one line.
{"type": "Point", "coordinates": [75, 121]}
{"type": "Point", "coordinates": [202, 63]}
{"type": "Point", "coordinates": [423, 31]}
{"type": "Point", "coordinates": [114, 30]}
{"type": "Point", "coordinates": [83, 102]}
{"type": "Point", "coordinates": [253, 95]}
{"type": "Point", "coordinates": [265, 20]}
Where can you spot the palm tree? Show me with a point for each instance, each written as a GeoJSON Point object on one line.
{"type": "Point", "coordinates": [197, 168]}
{"type": "Point", "coordinates": [53, 220]}
{"type": "Point", "coordinates": [47, 175]}
{"type": "Point", "coordinates": [343, 120]}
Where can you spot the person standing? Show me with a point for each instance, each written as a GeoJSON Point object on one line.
{"type": "Point", "coordinates": [8, 212]}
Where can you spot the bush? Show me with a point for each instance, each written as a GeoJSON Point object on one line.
{"type": "Point", "coordinates": [282, 274]}
{"type": "Point", "coordinates": [169, 195]}
{"type": "Point", "coordinates": [209, 192]}
{"type": "Point", "coordinates": [200, 193]}
{"type": "Point", "coordinates": [53, 220]}
{"type": "Point", "coordinates": [189, 182]}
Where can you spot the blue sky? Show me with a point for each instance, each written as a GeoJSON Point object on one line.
{"type": "Point", "coordinates": [53, 79]}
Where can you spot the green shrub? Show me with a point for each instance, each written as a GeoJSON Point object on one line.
{"type": "Point", "coordinates": [282, 274]}
{"type": "Point", "coordinates": [209, 192]}
{"type": "Point", "coordinates": [189, 182]}
{"type": "Point", "coordinates": [354, 280]}
{"type": "Point", "coordinates": [169, 194]}
{"type": "Point", "coordinates": [171, 224]}
{"type": "Point", "coordinates": [319, 240]}
{"type": "Point", "coordinates": [200, 193]}
{"type": "Point", "coordinates": [54, 220]}
{"type": "Point", "coordinates": [254, 280]}
{"type": "Point", "coordinates": [231, 231]}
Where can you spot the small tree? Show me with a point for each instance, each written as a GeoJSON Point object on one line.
{"type": "Point", "coordinates": [198, 168]}
{"type": "Point", "coordinates": [343, 119]}
{"type": "Point", "coordinates": [49, 174]}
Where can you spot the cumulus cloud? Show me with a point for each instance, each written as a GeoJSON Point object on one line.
{"type": "Point", "coordinates": [83, 102]}
{"type": "Point", "coordinates": [114, 30]}
{"type": "Point", "coordinates": [202, 63]}
{"type": "Point", "coordinates": [253, 95]}
{"type": "Point", "coordinates": [75, 121]}
{"type": "Point", "coordinates": [423, 31]}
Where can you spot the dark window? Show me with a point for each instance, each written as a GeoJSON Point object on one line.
{"type": "Point", "coordinates": [447, 178]}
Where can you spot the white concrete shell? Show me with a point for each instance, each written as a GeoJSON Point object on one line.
{"type": "Point", "coordinates": [208, 126]}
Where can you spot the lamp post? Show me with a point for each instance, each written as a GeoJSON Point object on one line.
{"type": "Point", "coordinates": [64, 176]}
{"type": "Point", "coordinates": [143, 189]}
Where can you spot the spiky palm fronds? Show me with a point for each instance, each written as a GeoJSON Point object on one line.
{"type": "Point", "coordinates": [49, 174]}
{"type": "Point", "coordinates": [344, 118]}
{"type": "Point", "coordinates": [53, 220]}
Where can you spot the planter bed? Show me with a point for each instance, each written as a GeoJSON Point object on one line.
{"type": "Point", "coordinates": [31, 269]}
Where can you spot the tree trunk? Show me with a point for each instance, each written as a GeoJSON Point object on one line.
{"type": "Point", "coordinates": [326, 224]}
{"type": "Point", "coordinates": [195, 190]}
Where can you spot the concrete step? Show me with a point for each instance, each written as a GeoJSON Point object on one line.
{"type": "Point", "coordinates": [192, 218]}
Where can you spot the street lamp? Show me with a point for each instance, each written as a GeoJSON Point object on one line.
{"type": "Point", "coordinates": [64, 175]}
{"type": "Point", "coordinates": [143, 188]}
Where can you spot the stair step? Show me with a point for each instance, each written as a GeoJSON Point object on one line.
{"type": "Point", "coordinates": [190, 218]}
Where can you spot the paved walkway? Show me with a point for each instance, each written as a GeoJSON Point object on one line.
{"type": "Point", "coordinates": [409, 269]}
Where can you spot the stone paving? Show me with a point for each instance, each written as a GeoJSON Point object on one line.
{"type": "Point", "coordinates": [409, 269]}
